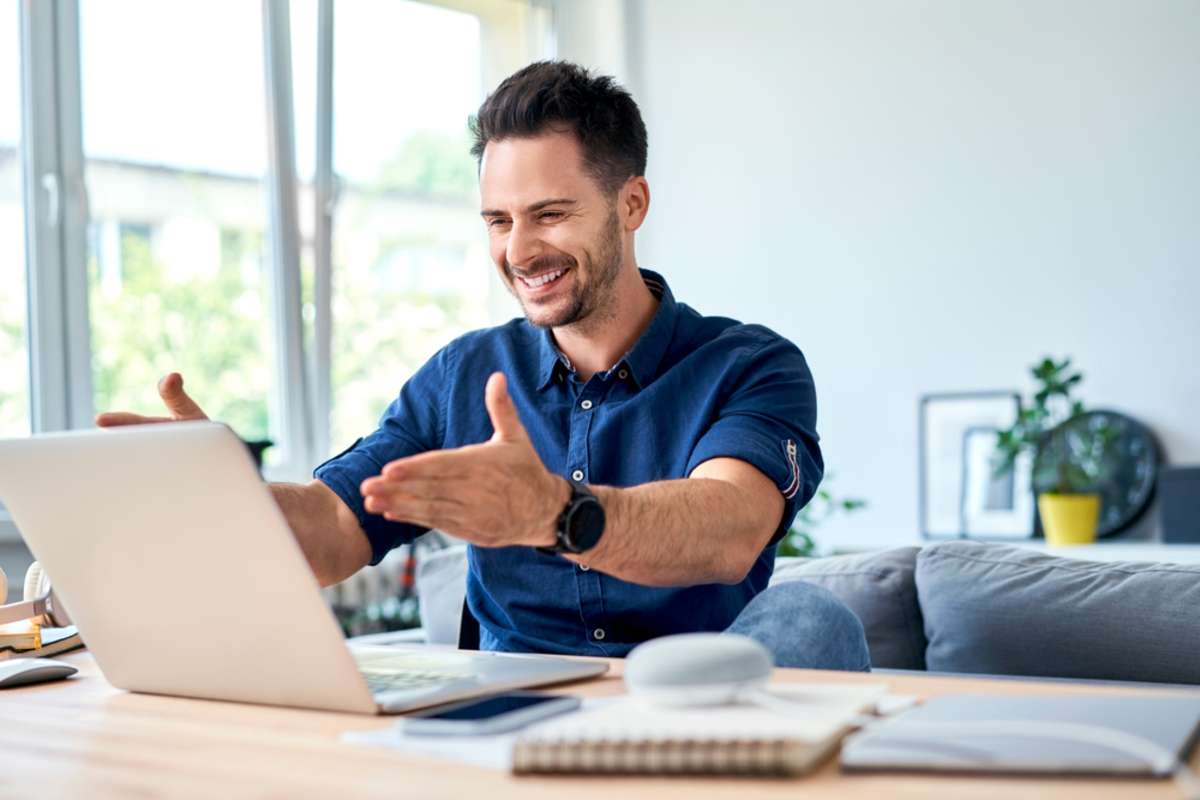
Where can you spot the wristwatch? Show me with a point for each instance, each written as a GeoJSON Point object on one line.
{"type": "Point", "coordinates": [581, 523]}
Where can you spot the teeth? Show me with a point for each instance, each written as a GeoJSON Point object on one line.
{"type": "Point", "coordinates": [542, 280]}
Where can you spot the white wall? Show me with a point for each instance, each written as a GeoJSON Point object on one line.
{"type": "Point", "coordinates": [927, 196]}
{"type": "Point", "coordinates": [595, 33]}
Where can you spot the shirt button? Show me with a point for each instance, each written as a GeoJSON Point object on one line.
{"type": "Point", "coordinates": [577, 475]}
{"type": "Point", "coordinates": [598, 634]}
{"type": "Point", "coordinates": [585, 405]}
{"type": "Point", "coordinates": [584, 567]}
{"type": "Point", "coordinates": [623, 374]}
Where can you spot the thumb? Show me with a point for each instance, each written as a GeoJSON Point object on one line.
{"type": "Point", "coordinates": [505, 420]}
{"type": "Point", "coordinates": [170, 389]}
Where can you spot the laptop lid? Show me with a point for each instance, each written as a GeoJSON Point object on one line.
{"type": "Point", "coordinates": [1137, 734]}
{"type": "Point", "coordinates": [184, 579]}
{"type": "Point", "coordinates": [181, 573]}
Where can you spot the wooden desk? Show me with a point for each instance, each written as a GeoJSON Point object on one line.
{"type": "Point", "coordinates": [83, 738]}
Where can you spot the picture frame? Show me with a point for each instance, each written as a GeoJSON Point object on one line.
{"type": "Point", "coordinates": [961, 495]}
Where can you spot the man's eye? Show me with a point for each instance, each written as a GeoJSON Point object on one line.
{"type": "Point", "coordinates": [497, 222]}
{"type": "Point", "coordinates": [550, 215]}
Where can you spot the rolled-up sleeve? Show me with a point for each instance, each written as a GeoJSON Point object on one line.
{"type": "Point", "coordinates": [413, 423]}
{"type": "Point", "coordinates": [768, 418]}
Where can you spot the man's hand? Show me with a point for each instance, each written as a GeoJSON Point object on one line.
{"type": "Point", "coordinates": [180, 406]}
{"type": "Point", "coordinates": [493, 494]}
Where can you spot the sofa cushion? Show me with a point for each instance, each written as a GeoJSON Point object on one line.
{"type": "Point", "coordinates": [1014, 611]}
{"type": "Point", "coordinates": [879, 589]}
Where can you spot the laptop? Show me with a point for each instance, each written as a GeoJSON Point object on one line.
{"type": "Point", "coordinates": [169, 553]}
{"type": "Point", "coordinates": [1142, 734]}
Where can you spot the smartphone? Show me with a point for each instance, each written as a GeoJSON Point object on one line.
{"type": "Point", "coordinates": [496, 714]}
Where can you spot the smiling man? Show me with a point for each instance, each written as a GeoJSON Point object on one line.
{"type": "Point", "coordinates": [621, 465]}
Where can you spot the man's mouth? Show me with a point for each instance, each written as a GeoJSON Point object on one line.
{"type": "Point", "coordinates": [543, 281]}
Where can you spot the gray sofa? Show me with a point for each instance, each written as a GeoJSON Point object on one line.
{"type": "Point", "coordinates": [970, 607]}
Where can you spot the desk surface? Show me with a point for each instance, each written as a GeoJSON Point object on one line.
{"type": "Point", "coordinates": [83, 738]}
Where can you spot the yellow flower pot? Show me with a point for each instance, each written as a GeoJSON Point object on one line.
{"type": "Point", "coordinates": [1069, 518]}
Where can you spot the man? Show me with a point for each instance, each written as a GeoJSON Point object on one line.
{"type": "Point", "coordinates": [621, 465]}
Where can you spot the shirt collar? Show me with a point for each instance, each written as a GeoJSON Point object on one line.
{"type": "Point", "coordinates": [551, 363]}
{"type": "Point", "coordinates": [647, 353]}
{"type": "Point", "coordinates": [642, 360]}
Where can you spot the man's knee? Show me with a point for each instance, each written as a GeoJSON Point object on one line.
{"type": "Point", "coordinates": [805, 625]}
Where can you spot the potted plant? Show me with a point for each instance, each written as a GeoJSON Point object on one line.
{"type": "Point", "coordinates": [1067, 458]}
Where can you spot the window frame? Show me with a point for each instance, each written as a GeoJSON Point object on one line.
{"type": "Point", "coordinates": [55, 199]}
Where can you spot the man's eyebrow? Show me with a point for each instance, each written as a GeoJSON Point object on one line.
{"type": "Point", "coordinates": [533, 209]}
{"type": "Point", "coordinates": [556, 201]}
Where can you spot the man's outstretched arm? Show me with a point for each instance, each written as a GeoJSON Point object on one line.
{"type": "Point", "coordinates": [707, 528]}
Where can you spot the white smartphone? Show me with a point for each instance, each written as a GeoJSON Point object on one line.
{"type": "Point", "coordinates": [487, 715]}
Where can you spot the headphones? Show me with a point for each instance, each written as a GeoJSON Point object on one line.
{"type": "Point", "coordinates": [39, 604]}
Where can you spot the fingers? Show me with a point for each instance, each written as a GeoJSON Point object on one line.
{"type": "Point", "coordinates": [505, 420]}
{"type": "Point", "coordinates": [399, 506]}
{"type": "Point", "coordinates": [417, 486]}
{"type": "Point", "coordinates": [113, 419]}
{"type": "Point", "coordinates": [170, 388]}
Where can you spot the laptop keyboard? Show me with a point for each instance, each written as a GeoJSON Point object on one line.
{"type": "Point", "coordinates": [405, 680]}
{"type": "Point", "coordinates": [400, 672]}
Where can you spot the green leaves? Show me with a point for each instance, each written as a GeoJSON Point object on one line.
{"type": "Point", "coordinates": [156, 316]}
{"type": "Point", "coordinates": [1052, 406]}
{"type": "Point", "coordinates": [799, 539]}
{"type": "Point", "coordinates": [1056, 380]}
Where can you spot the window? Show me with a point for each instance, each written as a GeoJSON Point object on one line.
{"type": "Point", "coordinates": [410, 264]}
{"type": "Point", "coordinates": [176, 251]}
{"type": "Point", "coordinates": [14, 355]}
{"type": "Point", "coordinates": [395, 265]}
{"type": "Point", "coordinates": [174, 137]}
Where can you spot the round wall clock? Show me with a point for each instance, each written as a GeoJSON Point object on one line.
{"type": "Point", "coordinates": [1111, 452]}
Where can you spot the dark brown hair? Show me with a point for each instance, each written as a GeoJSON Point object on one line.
{"type": "Point", "coordinates": [549, 94]}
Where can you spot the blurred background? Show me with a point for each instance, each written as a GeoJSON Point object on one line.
{"type": "Point", "coordinates": [276, 199]}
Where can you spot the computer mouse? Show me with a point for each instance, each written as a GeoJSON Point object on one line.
{"type": "Point", "coordinates": [694, 669]}
{"type": "Point", "coordinates": [24, 671]}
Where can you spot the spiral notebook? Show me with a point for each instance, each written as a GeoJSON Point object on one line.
{"type": "Point", "coordinates": [631, 737]}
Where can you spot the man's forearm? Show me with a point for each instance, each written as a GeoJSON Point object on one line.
{"type": "Point", "coordinates": [680, 532]}
{"type": "Point", "coordinates": [326, 530]}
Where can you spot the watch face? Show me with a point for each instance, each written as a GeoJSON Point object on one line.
{"type": "Point", "coordinates": [585, 524]}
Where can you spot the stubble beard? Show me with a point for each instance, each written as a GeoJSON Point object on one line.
{"type": "Point", "coordinates": [591, 304]}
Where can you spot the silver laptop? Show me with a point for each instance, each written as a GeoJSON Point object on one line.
{"type": "Point", "coordinates": [1137, 734]}
{"type": "Point", "coordinates": [183, 577]}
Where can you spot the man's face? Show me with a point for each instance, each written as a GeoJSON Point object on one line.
{"type": "Point", "coordinates": [553, 233]}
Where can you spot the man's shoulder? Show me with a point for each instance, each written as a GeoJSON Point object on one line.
{"type": "Point", "coordinates": [725, 334]}
{"type": "Point", "coordinates": [516, 333]}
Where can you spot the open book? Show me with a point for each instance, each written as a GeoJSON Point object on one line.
{"type": "Point", "coordinates": [628, 736]}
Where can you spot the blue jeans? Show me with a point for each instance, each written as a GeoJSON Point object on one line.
{"type": "Point", "coordinates": [804, 625]}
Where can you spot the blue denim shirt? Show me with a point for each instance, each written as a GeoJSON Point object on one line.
{"type": "Point", "coordinates": [692, 388]}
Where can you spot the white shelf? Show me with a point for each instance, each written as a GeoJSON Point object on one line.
{"type": "Point", "coordinates": [1101, 551]}
{"type": "Point", "coordinates": [1124, 551]}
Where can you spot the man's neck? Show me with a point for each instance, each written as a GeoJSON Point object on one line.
{"type": "Point", "coordinates": [595, 345]}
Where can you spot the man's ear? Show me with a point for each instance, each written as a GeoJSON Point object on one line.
{"type": "Point", "coordinates": [633, 202]}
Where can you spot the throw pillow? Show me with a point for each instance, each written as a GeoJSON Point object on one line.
{"type": "Point", "coordinates": [1014, 611]}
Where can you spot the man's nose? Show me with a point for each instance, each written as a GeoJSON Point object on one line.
{"type": "Point", "coordinates": [524, 245]}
